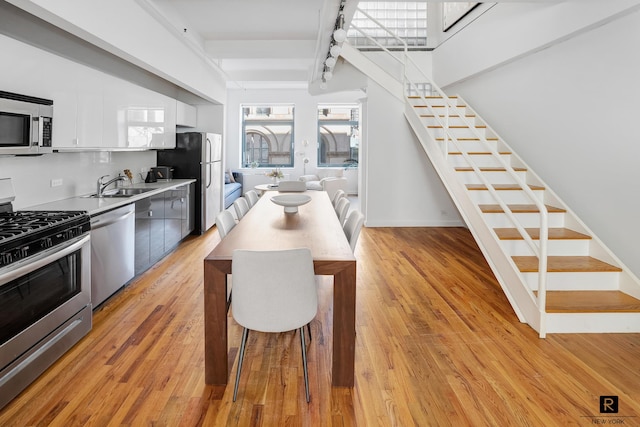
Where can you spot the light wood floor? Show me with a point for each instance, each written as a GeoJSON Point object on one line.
{"type": "Point", "coordinates": [437, 345]}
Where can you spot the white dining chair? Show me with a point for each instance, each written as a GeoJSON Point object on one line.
{"type": "Point", "coordinates": [342, 208]}
{"type": "Point", "coordinates": [287, 186]}
{"type": "Point", "coordinates": [225, 223]}
{"type": "Point", "coordinates": [273, 291]}
{"type": "Point", "coordinates": [337, 196]}
{"type": "Point", "coordinates": [252, 197]}
{"type": "Point", "coordinates": [352, 227]}
{"type": "Point", "coordinates": [242, 207]}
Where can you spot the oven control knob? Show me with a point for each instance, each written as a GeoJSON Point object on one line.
{"type": "Point", "coordinates": [23, 252]}
{"type": "Point", "coordinates": [6, 258]}
{"type": "Point", "coordinates": [46, 243]}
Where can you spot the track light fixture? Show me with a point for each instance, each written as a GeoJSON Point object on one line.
{"type": "Point", "coordinates": [335, 50]}
{"type": "Point", "coordinates": [338, 36]}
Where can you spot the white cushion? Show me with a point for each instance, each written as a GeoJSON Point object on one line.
{"type": "Point", "coordinates": [306, 178]}
{"type": "Point", "coordinates": [314, 185]}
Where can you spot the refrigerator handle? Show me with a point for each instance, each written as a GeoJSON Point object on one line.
{"type": "Point", "coordinates": [210, 151]}
{"type": "Point", "coordinates": [208, 161]}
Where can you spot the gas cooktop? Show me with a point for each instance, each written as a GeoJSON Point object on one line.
{"type": "Point", "coordinates": [25, 233]}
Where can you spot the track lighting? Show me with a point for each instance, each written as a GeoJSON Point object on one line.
{"type": "Point", "coordinates": [330, 62]}
{"type": "Point", "coordinates": [340, 35]}
{"type": "Point", "coordinates": [335, 50]}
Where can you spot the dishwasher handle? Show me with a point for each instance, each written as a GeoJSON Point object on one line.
{"type": "Point", "coordinates": [97, 223]}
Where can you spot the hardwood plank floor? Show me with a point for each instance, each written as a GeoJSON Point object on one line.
{"type": "Point", "coordinates": [437, 344]}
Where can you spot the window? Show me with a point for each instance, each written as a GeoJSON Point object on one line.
{"type": "Point", "coordinates": [407, 20]}
{"type": "Point", "coordinates": [267, 135]}
{"type": "Point", "coordinates": [338, 135]}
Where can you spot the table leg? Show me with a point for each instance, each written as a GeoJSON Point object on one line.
{"type": "Point", "coordinates": [215, 325]}
{"type": "Point", "coordinates": [344, 326]}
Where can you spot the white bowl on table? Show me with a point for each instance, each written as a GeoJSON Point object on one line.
{"type": "Point", "coordinates": [291, 201]}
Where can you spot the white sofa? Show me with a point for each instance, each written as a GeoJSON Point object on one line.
{"type": "Point", "coordinates": [330, 184]}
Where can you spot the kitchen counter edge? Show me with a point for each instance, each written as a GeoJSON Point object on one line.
{"type": "Point", "coordinates": [95, 205]}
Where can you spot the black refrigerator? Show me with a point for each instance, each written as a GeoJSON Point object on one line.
{"type": "Point", "coordinates": [199, 155]}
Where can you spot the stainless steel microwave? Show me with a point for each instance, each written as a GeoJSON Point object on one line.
{"type": "Point", "coordinates": [25, 124]}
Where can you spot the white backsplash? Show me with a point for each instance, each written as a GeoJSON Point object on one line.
{"type": "Point", "coordinates": [32, 176]}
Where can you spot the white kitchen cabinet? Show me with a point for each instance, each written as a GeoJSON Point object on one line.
{"type": "Point", "coordinates": [137, 118]}
{"type": "Point", "coordinates": [186, 115]}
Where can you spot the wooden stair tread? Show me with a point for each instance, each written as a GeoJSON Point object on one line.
{"type": "Point", "coordinates": [564, 264]}
{"type": "Point", "coordinates": [501, 187]}
{"type": "Point", "coordinates": [470, 139]}
{"type": "Point", "coordinates": [554, 234]}
{"type": "Point", "coordinates": [487, 169]}
{"type": "Point", "coordinates": [478, 153]}
{"type": "Point", "coordinates": [437, 106]}
{"type": "Point", "coordinates": [591, 302]}
{"type": "Point", "coordinates": [491, 208]}
{"type": "Point", "coordinates": [457, 127]}
{"type": "Point", "coordinates": [431, 97]}
{"type": "Point", "coordinates": [444, 115]}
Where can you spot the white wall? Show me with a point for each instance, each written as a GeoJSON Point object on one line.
{"type": "Point", "coordinates": [569, 110]}
{"type": "Point", "coordinates": [31, 176]}
{"type": "Point", "coordinates": [402, 188]}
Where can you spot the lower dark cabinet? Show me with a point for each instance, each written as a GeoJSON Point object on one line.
{"type": "Point", "coordinates": [162, 221]}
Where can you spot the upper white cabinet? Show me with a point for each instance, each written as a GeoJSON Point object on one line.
{"type": "Point", "coordinates": [92, 110]}
{"type": "Point", "coordinates": [106, 113]}
{"type": "Point", "coordinates": [186, 115]}
{"type": "Point", "coordinates": [137, 118]}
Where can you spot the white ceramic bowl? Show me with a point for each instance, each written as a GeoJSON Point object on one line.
{"type": "Point", "coordinates": [291, 201]}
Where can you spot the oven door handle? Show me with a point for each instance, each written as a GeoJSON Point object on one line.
{"type": "Point", "coordinates": [45, 258]}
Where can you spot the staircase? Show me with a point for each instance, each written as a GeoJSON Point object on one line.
{"type": "Point", "coordinates": [520, 225]}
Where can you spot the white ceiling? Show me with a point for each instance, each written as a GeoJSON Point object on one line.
{"type": "Point", "coordinates": [258, 43]}
{"type": "Point", "coordinates": [252, 41]}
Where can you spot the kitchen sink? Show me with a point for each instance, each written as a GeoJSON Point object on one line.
{"type": "Point", "coordinates": [122, 192]}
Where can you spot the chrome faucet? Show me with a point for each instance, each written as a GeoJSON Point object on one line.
{"type": "Point", "coordinates": [101, 186]}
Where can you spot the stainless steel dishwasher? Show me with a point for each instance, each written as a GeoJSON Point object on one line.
{"type": "Point", "coordinates": [112, 252]}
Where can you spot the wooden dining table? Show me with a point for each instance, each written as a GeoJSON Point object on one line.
{"type": "Point", "coordinates": [267, 227]}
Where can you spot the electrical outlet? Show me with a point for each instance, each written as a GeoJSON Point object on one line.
{"type": "Point", "coordinates": [56, 182]}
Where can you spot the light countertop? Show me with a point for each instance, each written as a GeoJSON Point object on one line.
{"type": "Point", "coordinates": [95, 205]}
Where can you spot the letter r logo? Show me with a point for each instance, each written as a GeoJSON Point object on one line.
{"type": "Point", "coordinates": [608, 404]}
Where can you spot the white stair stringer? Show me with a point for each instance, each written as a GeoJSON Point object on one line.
{"type": "Point", "coordinates": [520, 287]}
{"type": "Point", "coordinates": [522, 300]}
{"type": "Point", "coordinates": [372, 70]}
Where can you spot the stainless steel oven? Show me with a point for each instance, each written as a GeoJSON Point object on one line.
{"type": "Point", "coordinates": [45, 292]}
{"type": "Point", "coordinates": [25, 124]}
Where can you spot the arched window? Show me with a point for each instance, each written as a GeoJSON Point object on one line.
{"type": "Point", "coordinates": [338, 135]}
{"type": "Point", "coordinates": [267, 135]}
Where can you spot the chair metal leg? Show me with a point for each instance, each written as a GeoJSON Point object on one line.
{"type": "Point", "coordinates": [309, 329]}
{"type": "Point", "coordinates": [304, 363]}
{"type": "Point", "coordinates": [245, 334]}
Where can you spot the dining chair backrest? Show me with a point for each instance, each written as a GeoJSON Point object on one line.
{"type": "Point", "coordinates": [241, 206]}
{"type": "Point", "coordinates": [292, 186]}
{"type": "Point", "coordinates": [352, 227]}
{"type": "Point", "coordinates": [342, 208]}
{"type": "Point", "coordinates": [252, 197]}
{"type": "Point", "coordinates": [337, 196]}
{"type": "Point", "coordinates": [225, 223]}
{"type": "Point", "coordinates": [273, 291]}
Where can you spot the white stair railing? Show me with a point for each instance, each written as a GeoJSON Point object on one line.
{"type": "Point", "coordinates": [541, 249]}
